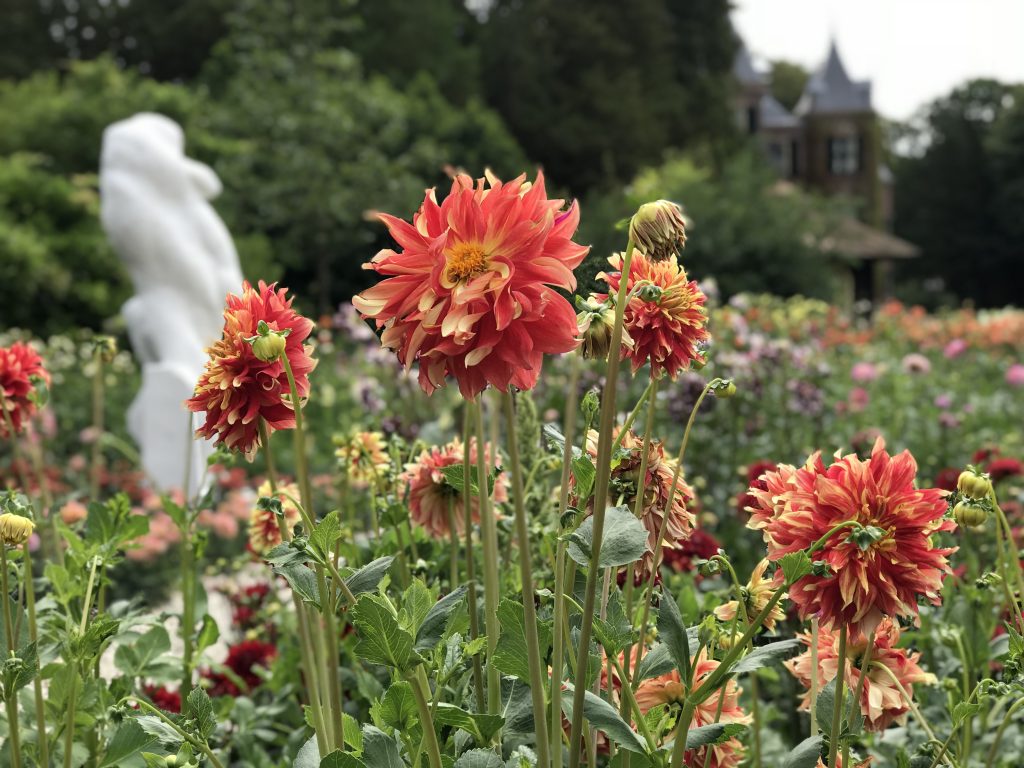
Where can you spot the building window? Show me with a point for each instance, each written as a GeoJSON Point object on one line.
{"type": "Point", "coordinates": [794, 153]}
{"type": "Point", "coordinates": [752, 124]}
{"type": "Point", "coordinates": [776, 156]}
{"type": "Point", "coordinates": [843, 155]}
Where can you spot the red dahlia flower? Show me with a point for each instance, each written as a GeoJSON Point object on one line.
{"type": "Point", "coordinates": [470, 294]}
{"type": "Point", "coordinates": [432, 499]}
{"type": "Point", "coordinates": [754, 474]}
{"type": "Point", "coordinates": [21, 368]}
{"type": "Point", "coordinates": [881, 569]}
{"type": "Point", "coordinates": [667, 327]}
{"type": "Point", "coordinates": [163, 698]}
{"type": "Point", "coordinates": [243, 659]}
{"type": "Point", "coordinates": [237, 389]}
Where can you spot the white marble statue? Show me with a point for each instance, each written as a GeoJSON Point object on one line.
{"type": "Point", "coordinates": [155, 208]}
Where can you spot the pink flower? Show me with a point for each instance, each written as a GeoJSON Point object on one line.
{"type": "Point", "coordinates": [954, 349]}
{"type": "Point", "coordinates": [915, 362]}
{"type": "Point", "coordinates": [1015, 375]}
{"type": "Point", "coordinates": [859, 399]}
{"type": "Point", "coordinates": [864, 372]}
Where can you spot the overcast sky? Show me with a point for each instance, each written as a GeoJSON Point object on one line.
{"type": "Point", "coordinates": [912, 50]}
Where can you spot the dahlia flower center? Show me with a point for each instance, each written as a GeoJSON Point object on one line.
{"type": "Point", "coordinates": [464, 261]}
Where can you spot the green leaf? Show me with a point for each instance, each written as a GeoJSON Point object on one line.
{"type": "Point", "coordinates": [339, 759]}
{"type": "Point", "coordinates": [154, 760]}
{"type": "Point", "coordinates": [453, 475]}
{"type": "Point", "coordinates": [199, 707]}
{"type": "Point", "coordinates": [380, 750]}
{"type": "Point", "coordinates": [963, 711]}
{"type": "Point", "coordinates": [615, 632]}
{"type": "Point", "coordinates": [714, 733]}
{"type": "Point", "coordinates": [368, 577]}
{"type": "Point", "coordinates": [417, 600]}
{"type": "Point", "coordinates": [353, 736]}
{"type": "Point", "coordinates": [302, 581]}
{"type": "Point", "coordinates": [432, 628]}
{"type": "Point", "coordinates": [805, 754]}
{"type": "Point", "coordinates": [22, 669]}
{"type": "Point", "coordinates": [672, 631]}
{"type": "Point", "coordinates": [308, 756]}
{"type": "Point", "coordinates": [657, 661]}
{"type": "Point", "coordinates": [510, 654]}
{"type": "Point", "coordinates": [381, 639]}
{"type": "Point", "coordinates": [479, 758]}
{"type": "Point", "coordinates": [795, 566]}
{"type": "Point", "coordinates": [623, 541]}
{"type": "Point", "coordinates": [209, 633]}
{"type": "Point", "coordinates": [398, 708]}
{"type": "Point", "coordinates": [157, 728]}
{"type": "Point", "coordinates": [764, 655]}
{"type": "Point", "coordinates": [323, 537]}
{"type": "Point", "coordinates": [825, 705]}
{"type": "Point", "coordinates": [135, 659]}
{"type": "Point", "coordinates": [480, 726]}
{"type": "Point", "coordinates": [128, 740]}
{"type": "Point", "coordinates": [606, 719]}
{"type": "Point", "coordinates": [583, 472]}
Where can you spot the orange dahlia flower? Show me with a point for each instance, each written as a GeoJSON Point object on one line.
{"type": "Point", "coordinates": [668, 689]}
{"type": "Point", "coordinates": [432, 498]}
{"type": "Point", "coordinates": [471, 293]}
{"type": "Point", "coordinates": [237, 389]}
{"type": "Point", "coordinates": [881, 701]}
{"type": "Point", "coordinates": [883, 568]}
{"type": "Point", "coordinates": [21, 368]}
{"type": "Point", "coordinates": [264, 532]}
{"type": "Point", "coordinates": [667, 322]}
{"type": "Point", "coordinates": [657, 487]}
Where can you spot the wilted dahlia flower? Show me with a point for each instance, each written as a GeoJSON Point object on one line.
{"type": "Point", "coordinates": [21, 368]}
{"type": "Point", "coordinates": [471, 294]}
{"type": "Point", "coordinates": [431, 497]}
{"type": "Point", "coordinates": [363, 456]}
{"type": "Point", "coordinates": [237, 388]}
{"type": "Point", "coordinates": [666, 321]}
{"type": "Point", "coordinates": [881, 701]}
{"type": "Point", "coordinates": [660, 471]}
{"type": "Point", "coordinates": [264, 532]}
{"type": "Point", "coordinates": [879, 568]}
{"type": "Point", "coordinates": [757, 594]}
{"type": "Point", "coordinates": [668, 689]}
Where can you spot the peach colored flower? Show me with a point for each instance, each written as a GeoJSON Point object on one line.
{"type": "Point", "coordinates": [471, 294]}
{"type": "Point", "coordinates": [668, 329]}
{"type": "Point", "coordinates": [163, 534]}
{"type": "Point", "coordinates": [430, 495]}
{"type": "Point", "coordinates": [21, 368]}
{"type": "Point", "coordinates": [758, 593]}
{"type": "Point", "coordinates": [660, 471]}
{"type": "Point", "coordinates": [264, 531]}
{"type": "Point", "coordinates": [881, 701]}
{"type": "Point", "coordinates": [363, 456]}
{"type": "Point", "coordinates": [220, 521]}
{"type": "Point", "coordinates": [668, 689]}
{"type": "Point", "coordinates": [237, 389]}
{"type": "Point", "coordinates": [73, 511]}
{"type": "Point", "coordinates": [871, 577]}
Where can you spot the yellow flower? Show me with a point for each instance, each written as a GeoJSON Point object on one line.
{"type": "Point", "coordinates": [757, 594]}
{"type": "Point", "coordinates": [364, 457]}
{"type": "Point", "coordinates": [15, 529]}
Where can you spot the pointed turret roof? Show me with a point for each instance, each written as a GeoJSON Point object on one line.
{"type": "Point", "coordinates": [830, 89]}
{"type": "Point", "coordinates": [743, 68]}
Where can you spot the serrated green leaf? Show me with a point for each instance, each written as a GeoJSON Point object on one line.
{"type": "Point", "coordinates": [368, 577]}
{"type": "Point", "coordinates": [672, 631]}
{"type": "Point", "coordinates": [432, 628]}
{"type": "Point", "coordinates": [606, 719]}
{"type": "Point", "coordinates": [764, 655]}
{"type": "Point", "coordinates": [381, 639]}
{"type": "Point", "coordinates": [583, 472]}
{"type": "Point", "coordinates": [128, 740]}
{"type": "Point", "coordinates": [795, 566]}
{"type": "Point", "coordinates": [302, 580]}
{"type": "Point", "coordinates": [479, 758]}
{"type": "Point", "coordinates": [324, 535]}
{"type": "Point", "coordinates": [398, 708]}
{"type": "Point", "coordinates": [963, 711]}
{"type": "Point", "coordinates": [623, 541]}
{"type": "Point", "coordinates": [339, 759]}
{"type": "Point", "coordinates": [353, 735]}
{"type": "Point", "coordinates": [614, 632]}
{"type": "Point", "coordinates": [380, 750]}
{"type": "Point", "coordinates": [480, 726]}
{"type": "Point", "coordinates": [199, 707]}
{"type": "Point", "coordinates": [134, 659]}
{"type": "Point", "coordinates": [510, 654]}
{"type": "Point", "coordinates": [417, 600]}
{"type": "Point", "coordinates": [157, 728]}
{"type": "Point", "coordinates": [825, 705]}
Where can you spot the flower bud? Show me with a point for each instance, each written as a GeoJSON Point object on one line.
{"type": "Point", "coordinates": [974, 485]}
{"type": "Point", "coordinates": [595, 324]}
{"type": "Point", "coordinates": [658, 229]}
{"type": "Point", "coordinates": [106, 348]}
{"type": "Point", "coordinates": [650, 293]}
{"type": "Point", "coordinates": [15, 529]}
{"type": "Point", "coordinates": [725, 390]}
{"type": "Point", "coordinates": [269, 348]}
{"type": "Point", "coordinates": [969, 515]}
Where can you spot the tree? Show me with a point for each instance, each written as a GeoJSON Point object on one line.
{"type": "Point", "coordinates": [788, 82]}
{"type": "Point", "coordinates": [957, 195]}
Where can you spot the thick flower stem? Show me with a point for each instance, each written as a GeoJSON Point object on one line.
{"type": "Point", "coordinates": [37, 683]}
{"type": "Point", "coordinates": [421, 692]}
{"type": "Point", "coordinates": [488, 534]}
{"type": "Point", "coordinates": [12, 698]}
{"type": "Point", "coordinates": [682, 731]}
{"type": "Point", "coordinates": [994, 749]}
{"type": "Point", "coordinates": [837, 709]}
{"type": "Point", "coordinates": [604, 449]}
{"type": "Point", "coordinates": [467, 510]}
{"type": "Point", "coordinates": [865, 664]}
{"type": "Point", "coordinates": [557, 646]}
{"type": "Point", "coordinates": [96, 461]}
{"type": "Point", "coordinates": [814, 677]}
{"type": "Point", "coordinates": [188, 609]}
{"type": "Point", "coordinates": [526, 575]}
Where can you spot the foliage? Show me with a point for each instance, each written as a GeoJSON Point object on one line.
{"type": "Point", "coordinates": [788, 81]}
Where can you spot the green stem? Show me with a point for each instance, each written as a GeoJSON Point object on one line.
{"type": "Point", "coordinates": [188, 616]}
{"type": "Point", "coordinates": [557, 646]}
{"type": "Point", "coordinates": [12, 697]}
{"type": "Point", "coordinates": [199, 744]}
{"type": "Point", "coordinates": [532, 637]}
{"type": "Point", "coordinates": [489, 535]}
{"type": "Point", "coordinates": [837, 709]}
{"type": "Point", "coordinates": [88, 594]}
{"type": "Point", "coordinates": [855, 704]}
{"type": "Point", "coordinates": [604, 450]}
{"type": "Point", "coordinates": [814, 675]}
{"type": "Point", "coordinates": [421, 692]}
{"type": "Point", "coordinates": [467, 511]}
{"type": "Point", "coordinates": [453, 548]}
{"type": "Point", "coordinates": [69, 721]}
{"type": "Point", "coordinates": [96, 463]}
{"type": "Point", "coordinates": [37, 683]}
{"type": "Point", "coordinates": [994, 749]}
{"type": "Point", "coordinates": [682, 731]}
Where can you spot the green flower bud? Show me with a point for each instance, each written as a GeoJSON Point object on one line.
{"type": "Point", "coordinates": [968, 515]}
{"type": "Point", "coordinates": [658, 229]}
{"type": "Point", "coordinates": [974, 484]}
{"type": "Point", "coordinates": [269, 348]}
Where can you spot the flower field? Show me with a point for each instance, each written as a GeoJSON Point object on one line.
{"type": "Point", "coordinates": [473, 521]}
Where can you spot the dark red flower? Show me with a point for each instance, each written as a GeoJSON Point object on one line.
{"type": "Point", "coordinates": [167, 700]}
{"type": "Point", "coordinates": [243, 659]}
{"type": "Point", "coordinates": [755, 479]}
{"type": "Point", "coordinates": [1000, 469]}
{"type": "Point", "coordinates": [701, 545]}
{"type": "Point", "coordinates": [20, 369]}
{"type": "Point", "coordinates": [946, 478]}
